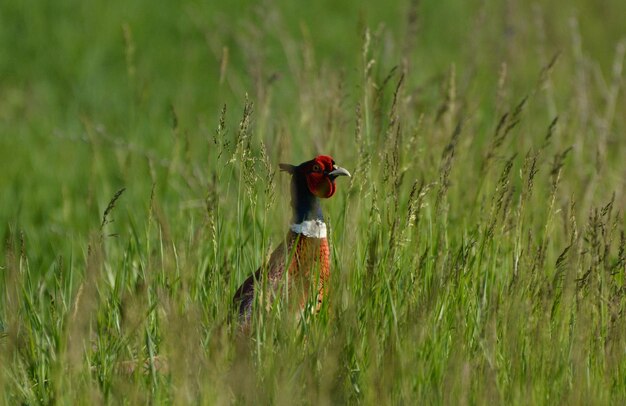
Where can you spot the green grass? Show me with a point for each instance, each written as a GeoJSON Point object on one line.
{"type": "Point", "coordinates": [478, 251]}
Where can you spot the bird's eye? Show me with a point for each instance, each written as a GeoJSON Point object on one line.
{"type": "Point", "coordinates": [316, 168]}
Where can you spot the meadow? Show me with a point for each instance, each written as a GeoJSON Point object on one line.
{"type": "Point", "coordinates": [478, 251]}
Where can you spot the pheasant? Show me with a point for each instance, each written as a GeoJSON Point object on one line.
{"type": "Point", "coordinates": [303, 258]}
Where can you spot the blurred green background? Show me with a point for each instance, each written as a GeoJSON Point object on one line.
{"type": "Point", "coordinates": [121, 67]}
{"type": "Point", "coordinates": [96, 96]}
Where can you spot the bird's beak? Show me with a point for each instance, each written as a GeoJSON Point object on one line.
{"type": "Point", "coordinates": [338, 171]}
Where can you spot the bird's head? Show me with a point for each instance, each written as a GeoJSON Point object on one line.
{"type": "Point", "coordinates": [319, 173]}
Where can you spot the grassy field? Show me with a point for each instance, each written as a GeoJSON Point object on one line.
{"type": "Point", "coordinates": [478, 251]}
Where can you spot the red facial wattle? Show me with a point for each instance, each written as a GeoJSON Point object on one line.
{"type": "Point", "coordinates": [320, 185]}
{"type": "Point", "coordinates": [317, 176]}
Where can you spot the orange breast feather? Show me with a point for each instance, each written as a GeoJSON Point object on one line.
{"type": "Point", "coordinates": [308, 263]}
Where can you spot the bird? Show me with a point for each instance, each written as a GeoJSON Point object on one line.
{"type": "Point", "coordinates": [300, 265]}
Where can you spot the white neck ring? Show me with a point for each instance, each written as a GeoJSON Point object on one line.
{"type": "Point", "coordinates": [310, 228]}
